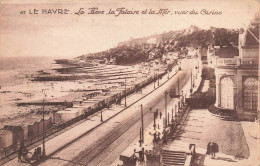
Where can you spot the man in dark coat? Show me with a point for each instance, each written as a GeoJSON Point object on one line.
{"type": "Point", "coordinates": [214, 149]}
{"type": "Point", "coordinates": [208, 150]}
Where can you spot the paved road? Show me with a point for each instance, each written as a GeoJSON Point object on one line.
{"type": "Point", "coordinates": [81, 141]}
{"type": "Point", "coordinates": [118, 132]}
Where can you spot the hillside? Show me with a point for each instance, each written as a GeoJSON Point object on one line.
{"type": "Point", "coordinates": [154, 46]}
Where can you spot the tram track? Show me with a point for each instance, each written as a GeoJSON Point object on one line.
{"type": "Point", "coordinates": [118, 135]}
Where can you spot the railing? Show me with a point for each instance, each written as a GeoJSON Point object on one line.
{"type": "Point", "coordinates": [226, 62]}
{"type": "Point", "coordinates": [5, 152]}
{"type": "Point", "coordinates": [190, 154]}
{"type": "Point", "coordinates": [249, 63]}
{"type": "Point", "coordinates": [235, 62]}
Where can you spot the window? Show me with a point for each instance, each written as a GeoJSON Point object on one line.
{"type": "Point", "coordinates": [250, 94]}
{"type": "Point", "coordinates": [227, 93]}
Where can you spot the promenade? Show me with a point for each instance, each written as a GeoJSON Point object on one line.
{"type": "Point", "coordinates": [53, 145]}
{"type": "Point", "coordinates": [238, 145]}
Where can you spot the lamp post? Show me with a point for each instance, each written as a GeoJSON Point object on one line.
{"type": "Point", "coordinates": [101, 116]}
{"type": "Point", "coordinates": [158, 77]}
{"type": "Point", "coordinates": [191, 82]}
{"type": "Point", "coordinates": [43, 135]}
{"type": "Point", "coordinates": [154, 81]}
{"type": "Point", "coordinates": [142, 119]}
{"type": "Point", "coordinates": [154, 124]}
{"type": "Point", "coordinates": [125, 92]}
{"type": "Point", "coordinates": [166, 93]}
{"type": "Point", "coordinates": [178, 86]}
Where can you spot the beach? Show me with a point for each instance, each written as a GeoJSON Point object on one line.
{"type": "Point", "coordinates": [67, 82]}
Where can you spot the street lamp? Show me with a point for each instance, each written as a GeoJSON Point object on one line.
{"type": "Point", "coordinates": [154, 123]}
{"type": "Point", "coordinates": [166, 93]}
{"type": "Point", "coordinates": [125, 92]}
{"type": "Point", "coordinates": [101, 116]}
{"type": "Point", "coordinates": [43, 135]}
{"type": "Point", "coordinates": [154, 81]}
{"type": "Point", "coordinates": [158, 77]}
{"type": "Point", "coordinates": [142, 120]}
{"type": "Point", "coordinates": [191, 82]}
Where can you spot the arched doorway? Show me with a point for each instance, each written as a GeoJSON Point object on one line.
{"type": "Point", "coordinates": [250, 94]}
{"type": "Point", "coordinates": [227, 93]}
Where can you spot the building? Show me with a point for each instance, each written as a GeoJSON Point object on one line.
{"type": "Point", "coordinates": [6, 138]}
{"type": "Point", "coordinates": [237, 74]}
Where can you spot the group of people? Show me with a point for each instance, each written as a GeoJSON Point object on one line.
{"type": "Point", "coordinates": [23, 154]}
{"type": "Point", "coordinates": [212, 149]}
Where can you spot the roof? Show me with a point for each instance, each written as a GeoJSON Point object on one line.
{"type": "Point", "coordinates": [12, 127]}
{"type": "Point", "coordinates": [250, 39]}
{"type": "Point", "coordinates": [227, 52]}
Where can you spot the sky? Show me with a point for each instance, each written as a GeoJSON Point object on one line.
{"type": "Point", "coordinates": [71, 35]}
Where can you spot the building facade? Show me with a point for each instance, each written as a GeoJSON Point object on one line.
{"type": "Point", "coordinates": [237, 78]}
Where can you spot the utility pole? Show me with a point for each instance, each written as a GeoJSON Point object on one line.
{"type": "Point", "coordinates": [178, 86]}
{"type": "Point", "coordinates": [43, 135]}
{"type": "Point", "coordinates": [154, 82]}
{"type": "Point", "coordinates": [191, 82]}
{"type": "Point", "coordinates": [125, 92]}
{"type": "Point", "coordinates": [140, 140]}
{"type": "Point", "coordinates": [142, 119]}
{"type": "Point", "coordinates": [158, 77]}
{"type": "Point", "coordinates": [101, 116]}
{"type": "Point", "coordinates": [166, 93]}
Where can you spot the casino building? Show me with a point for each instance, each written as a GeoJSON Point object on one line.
{"type": "Point", "coordinates": [236, 73]}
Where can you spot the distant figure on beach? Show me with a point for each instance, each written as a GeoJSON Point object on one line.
{"type": "Point", "coordinates": [160, 115]}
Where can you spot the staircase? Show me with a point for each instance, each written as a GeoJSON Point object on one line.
{"type": "Point", "coordinates": [173, 158]}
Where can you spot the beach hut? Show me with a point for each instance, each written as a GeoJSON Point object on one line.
{"type": "Point", "coordinates": [17, 132]}
{"type": "Point", "coordinates": [67, 114]}
{"type": "Point", "coordinates": [6, 138]}
{"type": "Point", "coordinates": [33, 127]}
{"type": "Point", "coordinates": [47, 124]}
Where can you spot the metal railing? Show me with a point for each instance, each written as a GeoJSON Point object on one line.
{"type": "Point", "coordinates": [5, 152]}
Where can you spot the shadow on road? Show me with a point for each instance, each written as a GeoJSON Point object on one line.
{"type": "Point", "coordinates": [225, 159]}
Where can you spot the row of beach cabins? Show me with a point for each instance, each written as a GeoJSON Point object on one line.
{"type": "Point", "coordinates": [31, 130]}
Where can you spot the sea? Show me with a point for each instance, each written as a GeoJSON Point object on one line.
{"type": "Point", "coordinates": [15, 83]}
{"type": "Point", "coordinates": [13, 70]}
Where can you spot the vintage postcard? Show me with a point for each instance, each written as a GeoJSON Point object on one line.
{"type": "Point", "coordinates": [124, 83]}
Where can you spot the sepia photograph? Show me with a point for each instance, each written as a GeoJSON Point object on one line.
{"type": "Point", "coordinates": [129, 83]}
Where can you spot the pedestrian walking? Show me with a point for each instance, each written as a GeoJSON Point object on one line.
{"type": "Point", "coordinates": [160, 115]}
{"type": "Point", "coordinates": [215, 149]}
{"type": "Point", "coordinates": [210, 149]}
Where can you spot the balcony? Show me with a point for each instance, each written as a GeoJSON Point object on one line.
{"type": "Point", "coordinates": [237, 63]}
